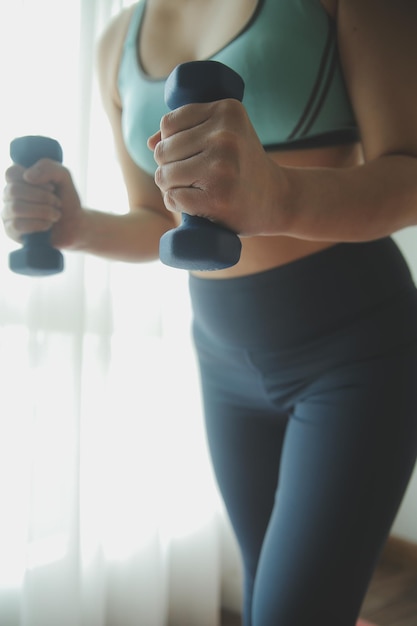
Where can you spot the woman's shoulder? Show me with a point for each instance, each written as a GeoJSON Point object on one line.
{"type": "Point", "coordinates": [114, 34]}
{"type": "Point", "coordinates": [109, 49]}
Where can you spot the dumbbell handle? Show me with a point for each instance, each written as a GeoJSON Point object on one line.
{"type": "Point", "coordinates": [37, 257]}
{"type": "Point", "coordinates": [199, 244]}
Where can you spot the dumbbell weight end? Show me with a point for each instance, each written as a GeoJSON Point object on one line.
{"type": "Point", "coordinates": [36, 257]}
{"type": "Point", "coordinates": [199, 245]}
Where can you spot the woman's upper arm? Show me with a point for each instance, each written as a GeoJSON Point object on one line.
{"type": "Point", "coordinates": [141, 189]}
{"type": "Point", "coordinates": [378, 48]}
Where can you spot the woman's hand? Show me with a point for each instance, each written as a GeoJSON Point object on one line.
{"type": "Point", "coordinates": [212, 164]}
{"type": "Point", "coordinates": [41, 198]}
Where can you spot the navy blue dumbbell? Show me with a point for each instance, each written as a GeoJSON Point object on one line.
{"type": "Point", "coordinates": [37, 257]}
{"type": "Point", "coordinates": [198, 243]}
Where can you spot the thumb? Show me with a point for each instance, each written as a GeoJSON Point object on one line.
{"type": "Point", "coordinates": [154, 140]}
{"type": "Point", "coordinates": [56, 177]}
{"type": "Point", "coordinates": [44, 172]}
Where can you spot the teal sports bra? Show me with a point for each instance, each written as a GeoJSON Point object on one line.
{"type": "Point", "coordinates": [295, 95]}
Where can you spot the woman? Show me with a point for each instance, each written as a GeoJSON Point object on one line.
{"type": "Point", "coordinates": [308, 345]}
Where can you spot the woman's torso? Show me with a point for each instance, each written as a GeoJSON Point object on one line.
{"type": "Point", "coordinates": [170, 33]}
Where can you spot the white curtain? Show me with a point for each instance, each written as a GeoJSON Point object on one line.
{"type": "Point", "coordinates": [109, 514]}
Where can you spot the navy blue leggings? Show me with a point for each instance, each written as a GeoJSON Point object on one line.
{"type": "Point", "coordinates": [309, 378]}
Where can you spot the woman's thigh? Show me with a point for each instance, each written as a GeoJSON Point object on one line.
{"type": "Point", "coordinates": [349, 450]}
{"type": "Point", "coordinates": [245, 446]}
{"type": "Point", "coordinates": [245, 450]}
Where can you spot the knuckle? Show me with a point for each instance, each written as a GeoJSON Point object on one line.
{"type": "Point", "coordinates": [11, 190]}
{"type": "Point", "coordinates": [230, 109]}
{"type": "Point", "coordinates": [65, 171]}
{"type": "Point", "coordinates": [46, 164]}
{"type": "Point", "coordinates": [225, 157]}
{"type": "Point", "coordinates": [159, 177]}
{"type": "Point", "coordinates": [227, 142]}
{"type": "Point", "coordinates": [170, 201]}
{"type": "Point", "coordinates": [14, 172]}
{"type": "Point", "coordinates": [7, 192]}
{"type": "Point", "coordinates": [167, 124]}
{"type": "Point", "coordinates": [19, 226]}
{"type": "Point", "coordinates": [159, 152]}
{"type": "Point", "coordinates": [14, 210]}
{"type": "Point", "coordinates": [225, 175]}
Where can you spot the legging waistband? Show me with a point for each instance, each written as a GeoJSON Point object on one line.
{"type": "Point", "coordinates": [294, 303]}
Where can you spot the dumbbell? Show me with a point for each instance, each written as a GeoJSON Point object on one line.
{"type": "Point", "coordinates": [37, 257]}
{"type": "Point", "coordinates": [198, 243]}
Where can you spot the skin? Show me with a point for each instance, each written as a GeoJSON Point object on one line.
{"type": "Point", "coordinates": [210, 161]}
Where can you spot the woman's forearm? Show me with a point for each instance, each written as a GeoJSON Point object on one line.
{"type": "Point", "coordinates": [359, 203]}
{"type": "Point", "coordinates": [133, 237]}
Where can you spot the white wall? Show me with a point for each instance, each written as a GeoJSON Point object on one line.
{"type": "Point", "coordinates": [405, 525]}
